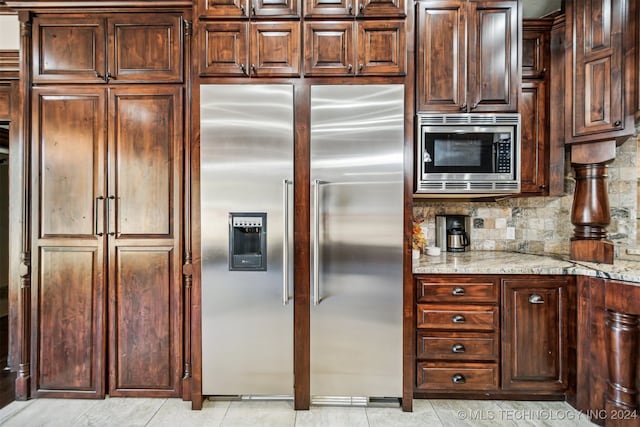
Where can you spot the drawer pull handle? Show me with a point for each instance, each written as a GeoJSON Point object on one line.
{"type": "Point", "coordinates": [457, 348]}
{"type": "Point", "coordinates": [536, 299]}
{"type": "Point", "coordinates": [458, 318]}
{"type": "Point", "coordinates": [457, 291]}
{"type": "Point", "coordinates": [458, 379]}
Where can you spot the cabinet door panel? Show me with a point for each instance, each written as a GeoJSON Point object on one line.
{"type": "Point", "coordinates": [534, 334]}
{"type": "Point", "coordinates": [68, 184]}
{"type": "Point", "coordinates": [441, 61]}
{"type": "Point", "coordinates": [143, 348]}
{"type": "Point", "coordinates": [533, 53]}
{"type": "Point", "coordinates": [381, 47]}
{"type": "Point", "coordinates": [493, 56]}
{"type": "Point", "coordinates": [69, 345]}
{"type": "Point", "coordinates": [533, 138]}
{"type": "Point", "coordinates": [381, 8]}
{"type": "Point", "coordinates": [225, 49]}
{"type": "Point", "coordinates": [145, 140]}
{"type": "Point", "coordinates": [143, 163]}
{"type": "Point", "coordinates": [328, 48]}
{"type": "Point", "coordinates": [328, 8]}
{"type": "Point", "coordinates": [597, 74]}
{"type": "Point", "coordinates": [68, 281]}
{"type": "Point", "coordinates": [271, 8]}
{"type": "Point", "coordinates": [68, 49]}
{"type": "Point", "coordinates": [275, 49]}
{"type": "Point", "coordinates": [146, 49]}
{"type": "Point", "coordinates": [223, 8]}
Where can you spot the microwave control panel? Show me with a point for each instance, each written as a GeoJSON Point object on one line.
{"type": "Point", "coordinates": [503, 156]}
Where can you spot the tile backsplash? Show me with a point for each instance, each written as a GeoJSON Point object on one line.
{"type": "Point", "coordinates": [543, 224]}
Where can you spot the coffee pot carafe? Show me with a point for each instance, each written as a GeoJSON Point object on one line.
{"type": "Point", "coordinates": [457, 240]}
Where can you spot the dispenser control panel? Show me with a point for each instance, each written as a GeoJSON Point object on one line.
{"type": "Point", "coordinates": [247, 241]}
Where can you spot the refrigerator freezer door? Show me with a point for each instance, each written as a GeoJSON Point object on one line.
{"type": "Point", "coordinates": [246, 147]}
{"type": "Point", "coordinates": [357, 138]}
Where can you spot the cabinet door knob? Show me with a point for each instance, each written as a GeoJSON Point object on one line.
{"type": "Point", "coordinates": [458, 379]}
{"type": "Point", "coordinates": [253, 68]}
{"type": "Point", "coordinates": [242, 11]}
{"type": "Point", "coordinates": [350, 67]}
{"type": "Point", "coordinates": [100, 76]}
{"type": "Point", "coordinates": [536, 299]}
{"type": "Point", "coordinates": [457, 291]}
{"type": "Point", "coordinates": [463, 107]}
{"type": "Point", "coordinates": [361, 8]}
{"type": "Point", "coordinates": [458, 348]}
{"type": "Point", "coordinates": [617, 123]}
{"type": "Point", "coordinates": [350, 9]}
{"type": "Point", "coordinates": [243, 68]}
{"type": "Point", "coordinates": [458, 318]}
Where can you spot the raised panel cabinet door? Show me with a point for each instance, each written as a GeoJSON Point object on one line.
{"type": "Point", "coordinates": [69, 49]}
{"type": "Point", "coordinates": [275, 49]}
{"type": "Point", "coordinates": [534, 143]}
{"type": "Point", "coordinates": [386, 8]}
{"type": "Point", "coordinates": [223, 8]}
{"type": "Point", "coordinates": [598, 89]}
{"type": "Point", "coordinates": [441, 60]}
{"type": "Point", "coordinates": [328, 8]}
{"type": "Point", "coordinates": [224, 49]}
{"type": "Point", "coordinates": [493, 63]}
{"type": "Point", "coordinates": [382, 48]}
{"type": "Point", "coordinates": [145, 48]}
{"type": "Point", "coordinates": [534, 53]}
{"type": "Point", "coordinates": [275, 8]}
{"type": "Point", "coordinates": [328, 48]}
{"type": "Point", "coordinates": [68, 226]}
{"type": "Point", "coordinates": [143, 205]}
{"type": "Point", "coordinates": [534, 334]}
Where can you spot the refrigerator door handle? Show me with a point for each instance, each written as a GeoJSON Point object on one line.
{"type": "Point", "coordinates": [316, 241]}
{"type": "Point", "coordinates": [285, 241]}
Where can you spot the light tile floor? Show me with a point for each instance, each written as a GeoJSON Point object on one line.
{"type": "Point", "coordinates": [129, 412]}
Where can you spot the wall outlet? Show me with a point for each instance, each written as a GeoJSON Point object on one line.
{"type": "Point", "coordinates": [511, 233]}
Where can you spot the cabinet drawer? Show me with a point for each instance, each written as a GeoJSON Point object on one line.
{"type": "Point", "coordinates": [455, 290]}
{"type": "Point", "coordinates": [456, 376]}
{"type": "Point", "coordinates": [457, 317]}
{"type": "Point", "coordinates": [463, 346]}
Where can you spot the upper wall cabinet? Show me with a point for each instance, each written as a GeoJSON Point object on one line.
{"type": "Point", "coordinates": [249, 8]}
{"type": "Point", "coordinates": [119, 48]}
{"type": "Point", "coordinates": [331, 49]}
{"type": "Point", "coordinates": [600, 77]}
{"type": "Point", "coordinates": [467, 56]}
{"type": "Point", "coordinates": [351, 8]}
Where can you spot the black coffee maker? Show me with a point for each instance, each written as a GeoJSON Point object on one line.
{"type": "Point", "coordinates": [452, 232]}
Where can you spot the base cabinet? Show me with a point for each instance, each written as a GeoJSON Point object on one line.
{"type": "Point", "coordinates": [534, 334]}
{"type": "Point", "coordinates": [485, 336]}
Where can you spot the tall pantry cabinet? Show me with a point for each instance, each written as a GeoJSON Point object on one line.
{"type": "Point", "coordinates": [107, 132]}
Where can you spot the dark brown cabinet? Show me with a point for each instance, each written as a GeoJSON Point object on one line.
{"type": "Point", "coordinates": [457, 333]}
{"type": "Point", "coordinates": [255, 49]}
{"type": "Point", "coordinates": [600, 71]}
{"type": "Point", "coordinates": [467, 56]}
{"type": "Point", "coordinates": [501, 336]}
{"type": "Point", "coordinates": [120, 48]}
{"type": "Point", "coordinates": [534, 334]}
{"type": "Point", "coordinates": [248, 8]}
{"type": "Point", "coordinates": [534, 143]}
{"type": "Point", "coordinates": [106, 240]}
{"type": "Point", "coordinates": [350, 8]}
{"type": "Point", "coordinates": [347, 48]}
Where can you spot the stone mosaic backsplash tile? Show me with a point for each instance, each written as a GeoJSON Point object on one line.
{"type": "Point", "coordinates": [543, 224]}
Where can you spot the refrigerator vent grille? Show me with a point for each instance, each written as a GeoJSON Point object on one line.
{"type": "Point", "coordinates": [469, 119]}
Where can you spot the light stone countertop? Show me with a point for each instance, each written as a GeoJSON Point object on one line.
{"type": "Point", "coordinates": [495, 262]}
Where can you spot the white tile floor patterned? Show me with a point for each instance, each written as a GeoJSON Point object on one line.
{"type": "Point", "coordinates": [131, 412]}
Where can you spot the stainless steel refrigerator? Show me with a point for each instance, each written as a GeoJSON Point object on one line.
{"type": "Point", "coordinates": [357, 134]}
{"type": "Point", "coordinates": [246, 166]}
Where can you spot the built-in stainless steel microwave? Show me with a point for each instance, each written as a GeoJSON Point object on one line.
{"type": "Point", "coordinates": [468, 153]}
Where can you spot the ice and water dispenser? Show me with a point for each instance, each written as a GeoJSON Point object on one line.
{"type": "Point", "coordinates": [247, 241]}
